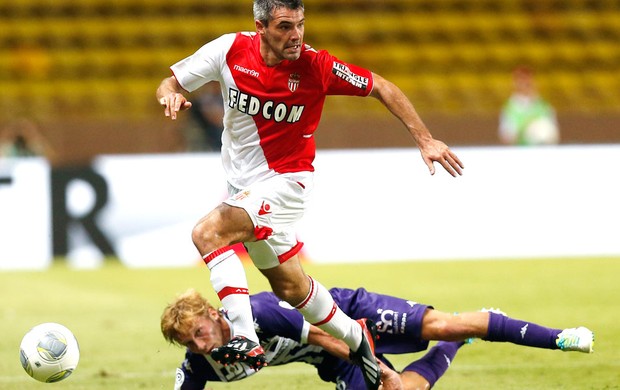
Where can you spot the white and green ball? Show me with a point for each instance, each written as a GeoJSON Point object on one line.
{"type": "Point", "coordinates": [49, 352]}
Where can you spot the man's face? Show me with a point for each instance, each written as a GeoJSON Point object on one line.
{"type": "Point", "coordinates": [282, 38]}
{"type": "Point", "coordinates": [524, 83]}
{"type": "Point", "coordinates": [206, 334]}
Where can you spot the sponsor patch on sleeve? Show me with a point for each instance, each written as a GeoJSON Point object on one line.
{"type": "Point", "coordinates": [343, 71]}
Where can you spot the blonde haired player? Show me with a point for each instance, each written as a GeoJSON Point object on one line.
{"type": "Point", "coordinates": [403, 326]}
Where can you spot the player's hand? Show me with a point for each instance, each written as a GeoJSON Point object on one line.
{"type": "Point", "coordinates": [173, 103]}
{"type": "Point", "coordinates": [390, 379]}
{"type": "Point", "coordinates": [436, 151]}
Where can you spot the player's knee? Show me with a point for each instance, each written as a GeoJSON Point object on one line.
{"type": "Point", "coordinates": [199, 233]}
{"type": "Point", "coordinates": [411, 380]}
{"type": "Point", "coordinates": [440, 326]}
{"type": "Point", "coordinates": [204, 237]}
{"type": "Point", "coordinates": [444, 330]}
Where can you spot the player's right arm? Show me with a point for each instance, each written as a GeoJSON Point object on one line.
{"type": "Point", "coordinates": [193, 72]}
{"type": "Point", "coordinates": [334, 346]}
{"type": "Point", "coordinates": [170, 95]}
{"type": "Point", "coordinates": [390, 379]}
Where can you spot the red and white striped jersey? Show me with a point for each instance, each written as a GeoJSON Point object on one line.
{"type": "Point", "coordinates": [271, 112]}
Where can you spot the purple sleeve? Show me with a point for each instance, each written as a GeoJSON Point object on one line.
{"type": "Point", "coordinates": [193, 373]}
{"type": "Point", "coordinates": [275, 317]}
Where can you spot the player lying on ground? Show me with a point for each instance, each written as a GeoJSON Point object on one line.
{"type": "Point", "coordinates": [402, 326]}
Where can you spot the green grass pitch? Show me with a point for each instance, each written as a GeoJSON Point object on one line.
{"type": "Point", "coordinates": [114, 312]}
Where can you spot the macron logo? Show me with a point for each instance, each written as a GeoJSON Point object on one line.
{"type": "Point", "coordinates": [249, 72]}
{"type": "Point", "coordinates": [265, 208]}
{"type": "Point", "coordinates": [523, 331]}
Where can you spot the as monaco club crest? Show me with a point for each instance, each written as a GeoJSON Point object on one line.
{"type": "Point", "coordinates": [293, 82]}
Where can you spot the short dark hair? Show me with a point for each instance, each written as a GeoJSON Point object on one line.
{"type": "Point", "coordinates": [264, 8]}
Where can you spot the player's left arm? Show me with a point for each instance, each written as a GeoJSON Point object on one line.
{"type": "Point", "coordinates": [399, 105]}
{"type": "Point", "coordinates": [329, 343]}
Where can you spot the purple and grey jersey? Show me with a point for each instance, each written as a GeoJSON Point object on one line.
{"type": "Point", "coordinates": [283, 334]}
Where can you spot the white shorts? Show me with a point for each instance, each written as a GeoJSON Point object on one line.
{"type": "Point", "coordinates": [274, 205]}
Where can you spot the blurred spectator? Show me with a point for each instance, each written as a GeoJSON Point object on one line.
{"type": "Point", "coordinates": [22, 138]}
{"type": "Point", "coordinates": [526, 118]}
{"type": "Point", "coordinates": [205, 129]}
{"type": "Point", "coordinates": [29, 61]}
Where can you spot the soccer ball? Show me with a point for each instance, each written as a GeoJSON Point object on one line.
{"type": "Point", "coordinates": [49, 352]}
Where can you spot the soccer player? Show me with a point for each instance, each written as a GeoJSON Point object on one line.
{"type": "Point", "coordinates": [402, 326]}
{"type": "Point", "coordinates": [274, 87]}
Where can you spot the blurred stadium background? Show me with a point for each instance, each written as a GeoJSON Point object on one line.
{"type": "Point", "coordinates": [86, 70]}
